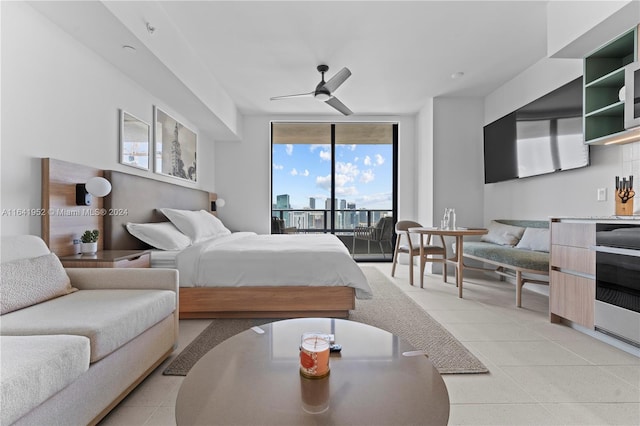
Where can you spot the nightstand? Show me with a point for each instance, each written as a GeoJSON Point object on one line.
{"type": "Point", "coordinates": [109, 259]}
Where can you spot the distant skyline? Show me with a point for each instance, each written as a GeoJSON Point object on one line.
{"type": "Point", "coordinates": [363, 174]}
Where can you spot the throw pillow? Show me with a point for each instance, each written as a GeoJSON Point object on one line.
{"type": "Point", "coordinates": [536, 239]}
{"type": "Point", "coordinates": [26, 282]}
{"type": "Point", "coordinates": [161, 235]}
{"type": "Point", "coordinates": [504, 235]}
{"type": "Point", "coordinates": [198, 225]}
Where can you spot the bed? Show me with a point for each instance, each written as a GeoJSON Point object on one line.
{"type": "Point", "coordinates": [242, 274]}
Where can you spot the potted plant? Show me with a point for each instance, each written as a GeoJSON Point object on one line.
{"type": "Point", "coordinates": [90, 241]}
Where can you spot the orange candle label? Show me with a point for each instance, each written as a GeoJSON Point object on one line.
{"type": "Point", "coordinates": [314, 357]}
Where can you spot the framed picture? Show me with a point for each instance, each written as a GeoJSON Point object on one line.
{"type": "Point", "coordinates": [135, 140]}
{"type": "Point", "coordinates": [175, 147]}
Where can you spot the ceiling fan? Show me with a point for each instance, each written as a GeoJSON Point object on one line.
{"type": "Point", "coordinates": [324, 90]}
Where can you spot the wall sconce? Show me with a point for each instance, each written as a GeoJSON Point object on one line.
{"type": "Point", "coordinates": [217, 203]}
{"type": "Point", "coordinates": [96, 186]}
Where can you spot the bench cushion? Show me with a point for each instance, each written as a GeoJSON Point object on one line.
{"type": "Point", "coordinates": [109, 318]}
{"type": "Point", "coordinates": [525, 259]}
{"type": "Point", "coordinates": [34, 368]}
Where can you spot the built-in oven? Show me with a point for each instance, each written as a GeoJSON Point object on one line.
{"type": "Point", "coordinates": [617, 306]}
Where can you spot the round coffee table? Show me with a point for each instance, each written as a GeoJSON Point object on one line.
{"type": "Point", "coordinates": [253, 378]}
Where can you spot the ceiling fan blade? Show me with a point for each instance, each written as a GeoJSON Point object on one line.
{"type": "Point", "coordinates": [334, 102]}
{"type": "Point", "coordinates": [299, 95]}
{"type": "Point", "coordinates": [335, 81]}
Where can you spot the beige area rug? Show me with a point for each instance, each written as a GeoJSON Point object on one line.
{"type": "Point", "coordinates": [390, 309]}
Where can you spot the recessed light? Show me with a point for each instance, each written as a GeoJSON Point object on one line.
{"type": "Point", "coordinates": [129, 49]}
{"type": "Point", "coordinates": [457, 75]}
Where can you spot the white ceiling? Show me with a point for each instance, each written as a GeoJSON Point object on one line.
{"type": "Point", "coordinates": [400, 53]}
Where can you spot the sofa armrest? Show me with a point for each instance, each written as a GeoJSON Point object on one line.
{"type": "Point", "coordinates": [115, 278]}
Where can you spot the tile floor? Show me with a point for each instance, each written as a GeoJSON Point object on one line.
{"type": "Point", "coordinates": [540, 373]}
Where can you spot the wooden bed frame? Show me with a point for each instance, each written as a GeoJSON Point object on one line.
{"type": "Point", "coordinates": [213, 302]}
{"type": "Point", "coordinates": [140, 197]}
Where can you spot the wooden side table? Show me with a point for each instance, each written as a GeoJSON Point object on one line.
{"type": "Point", "coordinates": [109, 259]}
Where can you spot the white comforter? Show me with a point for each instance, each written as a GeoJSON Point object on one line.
{"type": "Point", "coordinates": [248, 259]}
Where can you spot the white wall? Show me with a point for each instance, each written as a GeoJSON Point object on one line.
{"type": "Point", "coordinates": [458, 159]}
{"type": "Point", "coordinates": [61, 100]}
{"type": "Point", "coordinates": [423, 165]}
{"type": "Point", "coordinates": [568, 193]}
{"type": "Point", "coordinates": [243, 170]}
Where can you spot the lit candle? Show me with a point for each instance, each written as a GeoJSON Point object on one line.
{"type": "Point", "coordinates": [314, 357]}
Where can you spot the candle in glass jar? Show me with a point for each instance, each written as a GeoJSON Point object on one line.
{"type": "Point", "coordinates": [314, 356]}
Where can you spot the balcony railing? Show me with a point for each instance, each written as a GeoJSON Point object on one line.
{"type": "Point", "coordinates": [308, 221]}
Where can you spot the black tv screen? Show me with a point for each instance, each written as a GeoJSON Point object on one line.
{"type": "Point", "coordinates": [542, 137]}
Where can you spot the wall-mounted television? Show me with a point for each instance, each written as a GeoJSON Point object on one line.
{"type": "Point", "coordinates": [544, 136]}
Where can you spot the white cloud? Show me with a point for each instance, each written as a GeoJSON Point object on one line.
{"type": "Point", "coordinates": [379, 160]}
{"type": "Point", "coordinates": [346, 174]}
{"type": "Point", "coordinates": [305, 173]}
{"type": "Point", "coordinates": [367, 160]}
{"type": "Point", "coordinates": [367, 176]}
{"type": "Point", "coordinates": [347, 169]}
{"type": "Point", "coordinates": [325, 155]}
{"type": "Point", "coordinates": [315, 146]}
{"type": "Point", "coordinates": [278, 166]}
{"type": "Point", "coordinates": [293, 172]}
{"type": "Point", "coordinates": [289, 149]}
{"type": "Point", "coordinates": [352, 147]}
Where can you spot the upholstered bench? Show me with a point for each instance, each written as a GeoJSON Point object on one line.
{"type": "Point", "coordinates": [515, 247]}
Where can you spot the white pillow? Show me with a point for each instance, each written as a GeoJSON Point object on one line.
{"type": "Point", "coordinates": [504, 235]}
{"type": "Point", "coordinates": [27, 282]}
{"type": "Point", "coordinates": [161, 235]}
{"type": "Point", "coordinates": [198, 225]}
{"type": "Point", "coordinates": [536, 239]}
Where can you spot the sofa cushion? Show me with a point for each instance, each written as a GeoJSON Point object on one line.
{"type": "Point", "coordinates": [526, 259]}
{"type": "Point", "coordinates": [536, 239]}
{"type": "Point", "coordinates": [109, 318]}
{"type": "Point", "coordinates": [26, 282]}
{"type": "Point", "coordinates": [34, 368]}
{"type": "Point", "coordinates": [503, 234]}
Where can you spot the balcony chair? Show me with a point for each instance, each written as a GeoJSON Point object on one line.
{"type": "Point", "coordinates": [278, 226]}
{"type": "Point", "coordinates": [382, 232]}
{"type": "Point", "coordinates": [412, 248]}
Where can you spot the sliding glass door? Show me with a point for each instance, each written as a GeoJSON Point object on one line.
{"type": "Point", "coordinates": [336, 178]}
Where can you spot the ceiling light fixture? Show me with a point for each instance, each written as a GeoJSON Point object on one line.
{"type": "Point", "coordinates": [457, 75]}
{"type": "Point", "coordinates": [129, 49]}
{"type": "Point", "coordinates": [150, 28]}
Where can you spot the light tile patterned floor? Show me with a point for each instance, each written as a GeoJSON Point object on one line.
{"type": "Point", "coordinates": [541, 373]}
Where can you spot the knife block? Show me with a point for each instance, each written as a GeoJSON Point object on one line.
{"type": "Point", "coordinates": [624, 209]}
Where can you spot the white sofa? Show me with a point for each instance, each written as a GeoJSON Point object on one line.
{"type": "Point", "coordinates": [70, 359]}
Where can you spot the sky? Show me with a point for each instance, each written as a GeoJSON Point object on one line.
{"type": "Point", "coordinates": [363, 174]}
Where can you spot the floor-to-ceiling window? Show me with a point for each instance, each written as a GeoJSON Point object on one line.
{"type": "Point", "coordinates": [337, 178]}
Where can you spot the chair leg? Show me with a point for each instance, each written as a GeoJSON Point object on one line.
{"type": "Point", "coordinates": [422, 263]}
{"type": "Point", "coordinates": [444, 270]}
{"type": "Point", "coordinates": [410, 268]}
{"type": "Point", "coordinates": [395, 257]}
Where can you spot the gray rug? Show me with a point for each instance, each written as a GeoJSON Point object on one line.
{"type": "Point", "coordinates": [390, 309]}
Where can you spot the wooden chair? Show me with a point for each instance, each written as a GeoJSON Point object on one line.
{"type": "Point", "coordinates": [402, 231]}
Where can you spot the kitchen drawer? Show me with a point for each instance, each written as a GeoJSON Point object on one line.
{"type": "Point", "coordinates": [572, 297]}
{"type": "Point", "coordinates": [573, 234]}
{"type": "Point", "coordinates": [573, 259]}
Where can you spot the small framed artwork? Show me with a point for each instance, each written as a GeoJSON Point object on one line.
{"type": "Point", "coordinates": [135, 141]}
{"type": "Point", "coordinates": [175, 147]}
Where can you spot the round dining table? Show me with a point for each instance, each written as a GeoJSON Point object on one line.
{"type": "Point", "coordinates": [457, 260]}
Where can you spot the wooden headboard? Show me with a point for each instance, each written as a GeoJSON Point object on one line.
{"type": "Point", "coordinates": [132, 199]}
{"type": "Point", "coordinates": [63, 220]}
{"type": "Point", "coordinates": [137, 199]}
